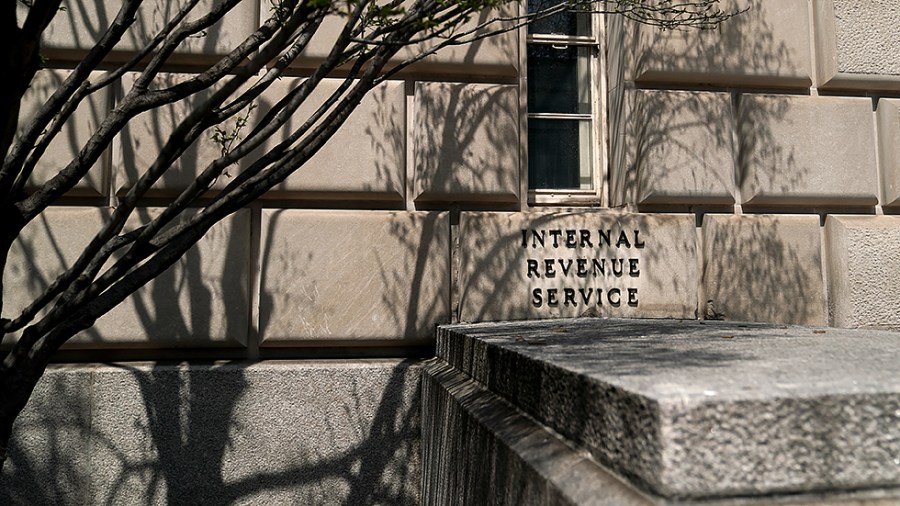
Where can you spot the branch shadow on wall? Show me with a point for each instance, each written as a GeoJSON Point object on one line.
{"type": "Point", "coordinates": [671, 148]}
{"type": "Point", "coordinates": [703, 151]}
{"type": "Point", "coordinates": [213, 434]}
{"type": "Point", "coordinates": [78, 26]}
{"type": "Point", "coordinates": [466, 145]}
{"type": "Point", "coordinates": [197, 432]}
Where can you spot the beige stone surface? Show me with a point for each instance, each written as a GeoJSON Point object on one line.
{"type": "Point", "coordinates": [139, 143]}
{"type": "Point", "coordinates": [353, 275]}
{"type": "Point", "coordinates": [649, 265]}
{"type": "Point", "coordinates": [797, 151]}
{"type": "Point", "coordinates": [203, 300]}
{"type": "Point", "coordinates": [84, 22]}
{"type": "Point", "coordinates": [857, 44]}
{"type": "Point", "coordinates": [889, 150]}
{"type": "Point", "coordinates": [678, 148]}
{"type": "Point", "coordinates": [366, 158]}
{"type": "Point", "coordinates": [74, 134]}
{"type": "Point", "coordinates": [323, 432]}
{"type": "Point", "coordinates": [465, 142]}
{"type": "Point", "coordinates": [863, 262]}
{"type": "Point", "coordinates": [766, 45]}
{"type": "Point", "coordinates": [763, 268]}
{"type": "Point", "coordinates": [492, 56]}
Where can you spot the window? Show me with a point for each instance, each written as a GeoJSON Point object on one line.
{"type": "Point", "coordinates": [564, 91]}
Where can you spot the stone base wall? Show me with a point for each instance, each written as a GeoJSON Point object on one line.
{"type": "Point", "coordinates": [279, 432]}
{"type": "Point", "coordinates": [750, 173]}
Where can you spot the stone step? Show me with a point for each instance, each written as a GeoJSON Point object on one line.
{"type": "Point", "coordinates": [693, 410]}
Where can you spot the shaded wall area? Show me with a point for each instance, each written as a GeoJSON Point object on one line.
{"type": "Point", "coordinates": [301, 432]}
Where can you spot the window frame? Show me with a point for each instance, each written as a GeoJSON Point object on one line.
{"type": "Point", "coordinates": [598, 195]}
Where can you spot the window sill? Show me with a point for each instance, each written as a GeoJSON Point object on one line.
{"type": "Point", "coordinates": [563, 197]}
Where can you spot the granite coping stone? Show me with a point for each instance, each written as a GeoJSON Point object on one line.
{"type": "Point", "coordinates": [702, 409]}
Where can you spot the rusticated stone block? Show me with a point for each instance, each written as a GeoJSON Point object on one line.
{"type": "Point", "coordinates": [464, 142]}
{"type": "Point", "coordinates": [353, 275]}
{"type": "Point", "coordinates": [763, 268]}
{"type": "Point", "coordinates": [203, 300]}
{"type": "Point", "coordinates": [366, 157]}
{"type": "Point", "coordinates": [74, 134]}
{"type": "Point", "coordinates": [863, 262]}
{"type": "Point", "coordinates": [889, 150]}
{"type": "Point", "coordinates": [678, 148]}
{"type": "Point", "coordinates": [139, 143]}
{"type": "Point", "coordinates": [857, 44]}
{"type": "Point", "coordinates": [766, 45]}
{"type": "Point", "coordinates": [806, 151]}
{"type": "Point", "coordinates": [516, 266]}
{"type": "Point", "coordinates": [497, 55]}
{"type": "Point", "coordinates": [82, 23]}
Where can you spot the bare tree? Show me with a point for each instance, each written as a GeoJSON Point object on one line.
{"type": "Point", "coordinates": [368, 49]}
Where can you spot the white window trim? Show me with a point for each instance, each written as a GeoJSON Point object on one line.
{"type": "Point", "coordinates": [599, 195]}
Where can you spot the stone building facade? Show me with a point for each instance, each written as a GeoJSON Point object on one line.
{"type": "Point", "coordinates": [748, 173]}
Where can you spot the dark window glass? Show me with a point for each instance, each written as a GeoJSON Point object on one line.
{"type": "Point", "coordinates": [558, 79]}
{"type": "Point", "coordinates": [564, 23]}
{"type": "Point", "coordinates": [556, 152]}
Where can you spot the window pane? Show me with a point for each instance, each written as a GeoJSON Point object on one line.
{"type": "Point", "coordinates": [559, 79]}
{"type": "Point", "coordinates": [564, 23]}
{"type": "Point", "coordinates": [559, 154]}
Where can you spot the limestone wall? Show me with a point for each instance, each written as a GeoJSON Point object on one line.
{"type": "Point", "coordinates": [752, 173]}
{"type": "Point", "coordinates": [777, 131]}
{"type": "Point", "coordinates": [739, 136]}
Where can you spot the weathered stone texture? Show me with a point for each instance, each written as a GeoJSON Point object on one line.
{"type": "Point", "coordinates": [83, 22]}
{"type": "Point", "coordinates": [492, 56]}
{"type": "Point", "coordinates": [856, 44]}
{"type": "Point", "coordinates": [763, 268]}
{"type": "Point", "coordinates": [866, 37]}
{"type": "Point", "coordinates": [806, 151]}
{"type": "Point", "coordinates": [315, 432]}
{"type": "Point", "coordinates": [651, 257]}
{"type": "Point", "coordinates": [889, 150]}
{"type": "Point", "coordinates": [353, 275]}
{"type": "Point", "coordinates": [49, 460]}
{"type": "Point", "coordinates": [678, 148]}
{"type": "Point", "coordinates": [465, 139]}
{"type": "Point", "coordinates": [186, 306]}
{"type": "Point", "coordinates": [477, 448]}
{"type": "Point", "coordinates": [766, 45]}
{"type": "Point", "coordinates": [74, 134]}
{"type": "Point", "coordinates": [702, 409]}
{"type": "Point", "coordinates": [366, 157]}
{"type": "Point", "coordinates": [863, 262]}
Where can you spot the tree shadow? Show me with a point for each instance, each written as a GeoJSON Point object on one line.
{"type": "Point", "coordinates": [676, 148]}
{"type": "Point", "coordinates": [764, 268]}
{"type": "Point", "coordinates": [466, 144]}
{"type": "Point", "coordinates": [68, 142]}
{"type": "Point", "coordinates": [220, 434]}
{"type": "Point", "coordinates": [81, 24]}
{"type": "Point", "coordinates": [196, 433]}
{"type": "Point", "coordinates": [50, 451]}
{"type": "Point", "coordinates": [704, 150]}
